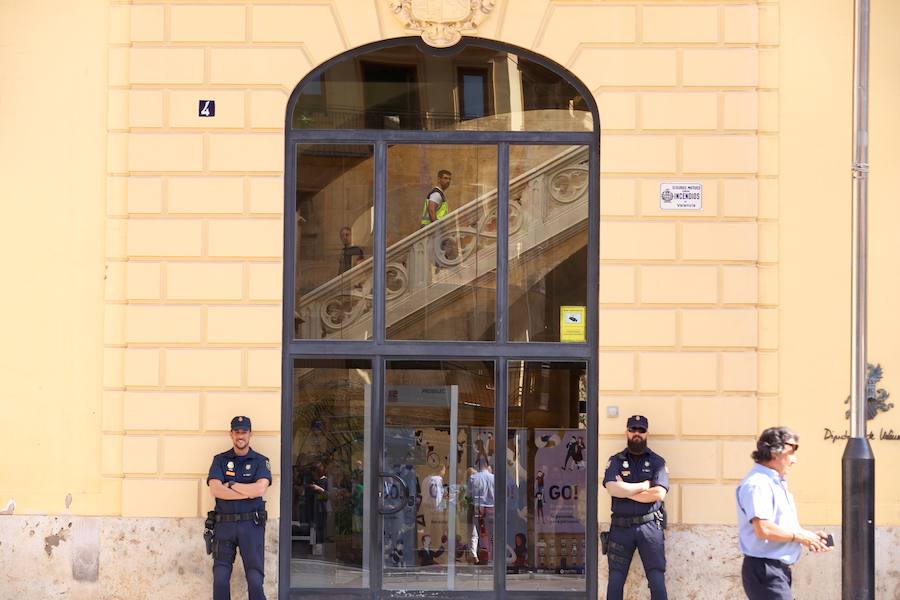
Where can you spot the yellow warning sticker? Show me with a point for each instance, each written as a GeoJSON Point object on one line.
{"type": "Point", "coordinates": [572, 324]}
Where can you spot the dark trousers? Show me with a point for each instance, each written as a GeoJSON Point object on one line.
{"type": "Point", "coordinates": [650, 543]}
{"type": "Point", "coordinates": [250, 538]}
{"type": "Point", "coordinates": [766, 579]}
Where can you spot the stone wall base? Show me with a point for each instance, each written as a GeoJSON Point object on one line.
{"type": "Point", "coordinates": [112, 558]}
{"type": "Point", "coordinates": [704, 563]}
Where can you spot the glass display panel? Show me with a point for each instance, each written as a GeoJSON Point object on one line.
{"type": "Point", "coordinates": [441, 264]}
{"type": "Point", "coordinates": [477, 89]}
{"type": "Point", "coordinates": [548, 266]}
{"type": "Point", "coordinates": [330, 508]}
{"type": "Point", "coordinates": [546, 485]}
{"type": "Point", "coordinates": [335, 235]}
{"type": "Point", "coordinates": [438, 486]}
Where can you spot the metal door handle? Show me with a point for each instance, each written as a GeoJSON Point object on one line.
{"type": "Point", "coordinates": [404, 490]}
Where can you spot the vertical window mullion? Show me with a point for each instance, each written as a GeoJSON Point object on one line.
{"type": "Point", "coordinates": [501, 380]}
{"type": "Point", "coordinates": [379, 274]}
{"type": "Point", "coordinates": [287, 335]}
{"type": "Point", "coordinates": [593, 369]}
{"type": "Point", "coordinates": [502, 295]}
{"type": "Point", "coordinates": [376, 452]}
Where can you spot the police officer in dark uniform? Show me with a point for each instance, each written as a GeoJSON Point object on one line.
{"type": "Point", "coordinates": [237, 480]}
{"type": "Point", "coordinates": [637, 479]}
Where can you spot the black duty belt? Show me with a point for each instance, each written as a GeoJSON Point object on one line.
{"type": "Point", "coordinates": [257, 515]}
{"type": "Point", "coordinates": [632, 521]}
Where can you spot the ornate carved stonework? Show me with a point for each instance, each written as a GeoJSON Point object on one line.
{"type": "Point", "coordinates": [569, 184]}
{"type": "Point", "coordinates": [442, 22]}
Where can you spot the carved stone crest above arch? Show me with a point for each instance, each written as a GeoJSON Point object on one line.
{"type": "Point", "coordinates": [441, 22]}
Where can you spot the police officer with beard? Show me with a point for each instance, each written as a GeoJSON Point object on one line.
{"type": "Point", "coordinates": [237, 479]}
{"type": "Point", "coordinates": [637, 479]}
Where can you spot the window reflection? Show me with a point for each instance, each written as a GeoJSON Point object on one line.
{"type": "Point", "coordinates": [401, 87]}
{"type": "Point", "coordinates": [474, 87]}
{"type": "Point", "coordinates": [329, 505]}
{"type": "Point", "coordinates": [548, 266]}
{"type": "Point", "coordinates": [546, 485]}
{"type": "Point", "coordinates": [442, 237]}
{"type": "Point", "coordinates": [391, 98]}
{"type": "Point", "coordinates": [335, 221]}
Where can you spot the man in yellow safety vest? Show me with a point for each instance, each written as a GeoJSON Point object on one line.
{"type": "Point", "coordinates": [436, 206]}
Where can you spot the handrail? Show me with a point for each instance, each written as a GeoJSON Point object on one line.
{"type": "Point", "coordinates": [515, 185]}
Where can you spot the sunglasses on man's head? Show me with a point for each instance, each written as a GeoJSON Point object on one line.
{"type": "Point", "coordinates": [794, 447]}
{"type": "Point", "coordinates": [637, 430]}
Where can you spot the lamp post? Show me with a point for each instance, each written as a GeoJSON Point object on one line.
{"type": "Point", "coordinates": [858, 463]}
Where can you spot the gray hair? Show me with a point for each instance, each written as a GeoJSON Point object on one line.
{"type": "Point", "coordinates": [772, 441]}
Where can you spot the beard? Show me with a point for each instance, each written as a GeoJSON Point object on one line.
{"type": "Point", "coordinates": [637, 446]}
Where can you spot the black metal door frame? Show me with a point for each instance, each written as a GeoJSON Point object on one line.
{"type": "Point", "coordinates": [379, 349]}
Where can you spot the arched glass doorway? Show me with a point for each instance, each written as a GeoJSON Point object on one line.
{"type": "Point", "coordinates": [440, 345]}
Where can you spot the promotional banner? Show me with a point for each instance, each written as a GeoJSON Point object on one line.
{"type": "Point", "coordinates": [434, 545]}
{"type": "Point", "coordinates": [419, 534]}
{"type": "Point", "coordinates": [560, 475]}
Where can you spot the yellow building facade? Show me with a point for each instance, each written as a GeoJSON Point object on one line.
{"type": "Point", "coordinates": [144, 262]}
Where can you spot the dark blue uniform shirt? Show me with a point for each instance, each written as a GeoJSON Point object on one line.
{"type": "Point", "coordinates": [633, 468]}
{"type": "Point", "coordinates": [239, 469]}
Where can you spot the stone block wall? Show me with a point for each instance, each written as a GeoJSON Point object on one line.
{"type": "Point", "coordinates": [688, 299]}
{"type": "Point", "coordinates": [688, 325]}
{"type": "Point", "coordinates": [194, 291]}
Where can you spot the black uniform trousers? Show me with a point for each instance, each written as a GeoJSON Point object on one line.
{"type": "Point", "coordinates": [766, 579]}
{"type": "Point", "coordinates": [649, 540]}
{"type": "Point", "coordinates": [250, 538]}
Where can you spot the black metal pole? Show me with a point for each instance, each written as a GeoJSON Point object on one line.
{"type": "Point", "coordinates": [858, 463]}
{"type": "Point", "coordinates": [858, 528]}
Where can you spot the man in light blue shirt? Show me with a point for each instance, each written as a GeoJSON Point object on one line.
{"type": "Point", "coordinates": [770, 535]}
{"type": "Point", "coordinates": [481, 488]}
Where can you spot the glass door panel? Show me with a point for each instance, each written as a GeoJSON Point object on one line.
{"type": "Point", "coordinates": [547, 467]}
{"type": "Point", "coordinates": [330, 512]}
{"type": "Point", "coordinates": [437, 486]}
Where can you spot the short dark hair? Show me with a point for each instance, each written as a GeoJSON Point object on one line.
{"type": "Point", "coordinates": [443, 172]}
{"type": "Point", "coordinates": [772, 441]}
